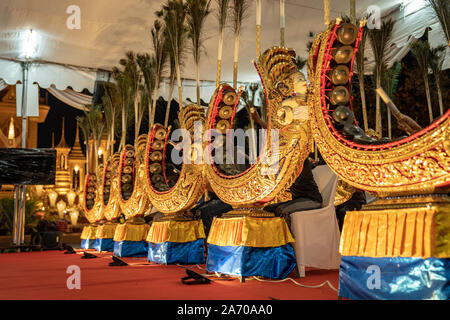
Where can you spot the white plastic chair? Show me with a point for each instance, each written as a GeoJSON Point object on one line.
{"type": "Point", "coordinates": [316, 232]}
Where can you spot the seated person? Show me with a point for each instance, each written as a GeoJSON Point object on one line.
{"type": "Point", "coordinates": [305, 195]}
{"type": "Point", "coordinates": [209, 209]}
{"type": "Point", "coordinates": [354, 203]}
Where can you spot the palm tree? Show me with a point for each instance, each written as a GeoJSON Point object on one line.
{"type": "Point", "coordinates": [442, 10]}
{"type": "Point", "coordinates": [134, 77]}
{"type": "Point", "coordinates": [239, 10]}
{"type": "Point", "coordinates": [421, 50]}
{"type": "Point", "coordinates": [148, 67]}
{"type": "Point", "coordinates": [437, 57]}
{"type": "Point", "coordinates": [160, 60]}
{"type": "Point", "coordinates": [111, 108]}
{"type": "Point", "coordinates": [84, 126]}
{"type": "Point", "coordinates": [379, 39]}
{"type": "Point", "coordinates": [389, 83]}
{"type": "Point", "coordinates": [197, 11]}
{"type": "Point", "coordinates": [123, 87]}
{"type": "Point", "coordinates": [222, 14]}
{"type": "Point", "coordinates": [92, 125]}
{"type": "Point", "coordinates": [360, 59]}
{"type": "Point", "coordinates": [174, 14]}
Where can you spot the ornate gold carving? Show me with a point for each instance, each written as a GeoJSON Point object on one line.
{"type": "Point", "coordinates": [139, 202]}
{"type": "Point", "coordinates": [254, 187]}
{"type": "Point", "coordinates": [414, 167]}
{"type": "Point", "coordinates": [191, 183]}
{"type": "Point", "coordinates": [111, 210]}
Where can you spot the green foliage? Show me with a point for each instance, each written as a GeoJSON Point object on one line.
{"type": "Point", "coordinates": [442, 10]}
{"type": "Point", "coordinates": [7, 215]}
{"type": "Point", "coordinates": [197, 11]}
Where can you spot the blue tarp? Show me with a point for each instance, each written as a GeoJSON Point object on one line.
{"type": "Point", "coordinates": [273, 262]}
{"type": "Point", "coordinates": [398, 278]}
{"type": "Point", "coordinates": [174, 252]}
{"type": "Point", "coordinates": [87, 243]}
{"type": "Point", "coordinates": [104, 244]}
{"type": "Point", "coordinates": [130, 248]}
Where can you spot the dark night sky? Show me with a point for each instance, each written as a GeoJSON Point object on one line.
{"type": "Point", "coordinates": [53, 123]}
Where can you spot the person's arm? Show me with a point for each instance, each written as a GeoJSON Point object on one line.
{"type": "Point", "coordinates": [257, 119]}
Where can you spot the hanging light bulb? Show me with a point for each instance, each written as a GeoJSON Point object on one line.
{"type": "Point", "coordinates": [30, 43]}
{"type": "Point", "coordinates": [11, 132]}
{"type": "Point", "coordinates": [76, 168]}
{"type": "Point", "coordinates": [52, 196]}
{"type": "Point", "coordinates": [74, 214]}
{"type": "Point", "coordinates": [61, 205]}
{"type": "Point", "coordinates": [71, 197]}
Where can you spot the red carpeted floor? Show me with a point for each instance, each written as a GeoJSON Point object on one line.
{"type": "Point", "coordinates": [42, 275]}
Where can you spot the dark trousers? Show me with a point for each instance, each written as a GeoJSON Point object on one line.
{"type": "Point", "coordinates": [341, 210]}
{"type": "Point", "coordinates": [210, 210]}
{"type": "Point", "coordinates": [284, 209]}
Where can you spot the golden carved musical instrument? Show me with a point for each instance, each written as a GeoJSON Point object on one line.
{"type": "Point", "coordinates": [133, 199]}
{"type": "Point", "coordinates": [276, 168]}
{"type": "Point", "coordinates": [190, 185]}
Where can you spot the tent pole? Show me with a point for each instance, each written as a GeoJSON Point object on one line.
{"type": "Point", "coordinates": [20, 190]}
{"type": "Point", "coordinates": [258, 28]}
{"type": "Point", "coordinates": [282, 23]}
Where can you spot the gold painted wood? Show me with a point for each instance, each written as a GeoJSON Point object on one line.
{"type": "Point", "coordinates": [415, 167]}
{"type": "Point", "coordinates": [191, 183]}
{"type": "Point", "coordinates": [254, 188]}
{"type": "Point", "coordinates": [138, 204]}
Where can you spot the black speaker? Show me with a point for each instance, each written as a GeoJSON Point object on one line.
{"type": "Point", "coordinates": [51, 240]}
{"type": "Point", "coordinates": [27, 166]}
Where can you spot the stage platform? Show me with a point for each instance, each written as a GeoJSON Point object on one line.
{"type": "Point", "coordinates": [42, 275]}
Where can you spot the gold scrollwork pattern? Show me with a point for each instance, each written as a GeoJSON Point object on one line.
{"type": "Point", "coordinates": [191, 183]}
{"type": "Point", "coordinates": [254, 187]}
{"type": "Point", "coordinates": [138, 204]}
{"type": "Point", "coordinates": [111, 208]}
{"type": "Point", "coordinates": [416, 166]}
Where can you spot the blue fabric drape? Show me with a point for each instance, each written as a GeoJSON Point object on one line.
{"type": "Point", "coordinates": [273, 263]}
{"type": "Point", "coordinates": [400, 278]}
{"type": "Point", "coordinates": [174, 252]}
{"type": "Point", "coordinates": [130, 248]}
{"type": "Point", "coordinates": [104, 244]}
{"type": "Point", "coordinates": [87, 244]}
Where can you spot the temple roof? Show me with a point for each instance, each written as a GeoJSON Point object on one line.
{"type": "Point", "coordinates": [62, 143]}
{"type": "Point", "coordinates": [77, 151]}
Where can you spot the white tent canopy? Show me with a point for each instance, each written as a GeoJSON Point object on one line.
{"type": "Point", "coordinates": [76, 58]}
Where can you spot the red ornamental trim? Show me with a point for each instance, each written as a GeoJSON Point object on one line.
{"type": "Point", "coordinates": [103, 184]}
{"type": "Point", "coordinates": [213, 122]}
{"type": "Point", "coordinates": [149, 150]}
{"type": "Point", "coordinates": [122, 164]}
{"type": "Point", "coordinates": [327, 117]}
{"type": "Point", "coordinates": [86, 186]}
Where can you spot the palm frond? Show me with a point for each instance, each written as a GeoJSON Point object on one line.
{"type": "Point", "coordinates": [222, 12]}
{"type": "Point", "coordinates": [421, 51]}
{"type": "Point", "coordinates": [442, 10]}
{"type": "Point", "coordinates": [197, 12]}
{"type": "Point", "coordinates": [239, 13]}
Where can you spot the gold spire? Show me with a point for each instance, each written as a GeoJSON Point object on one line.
{"type": "Point", "coordinates": [77, 151]}
{"type": "Point", "coordinates": [62, 143]}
